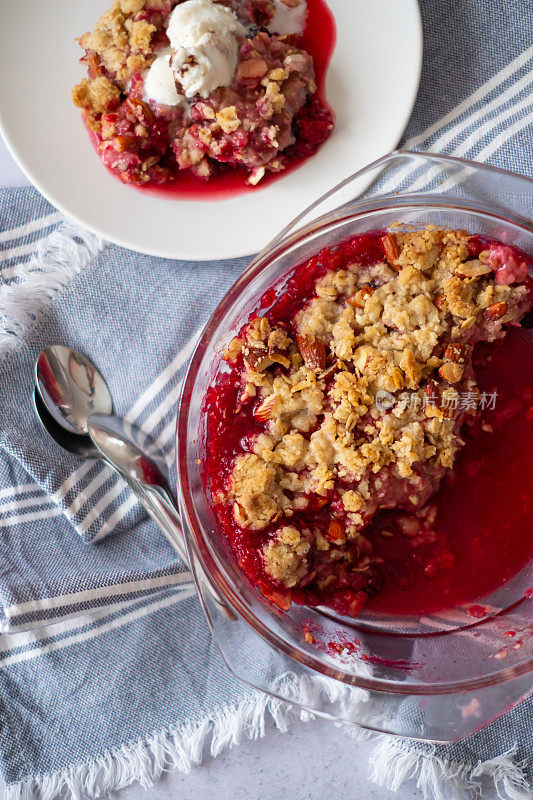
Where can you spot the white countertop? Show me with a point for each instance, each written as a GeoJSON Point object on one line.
{"type": "Point", "coordinates": [314, 761]}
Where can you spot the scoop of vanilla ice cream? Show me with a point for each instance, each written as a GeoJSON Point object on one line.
{"type": "Point", "coordinates": [160, 83]}
{"type": "Point", "coordinates": [288, 18]}
{"type": "Point", "coordinates": [203, 67]}
{"type": "Point", "coordinates": [203, 35]}
{"type": "Point", "coordinates": [194, 18]}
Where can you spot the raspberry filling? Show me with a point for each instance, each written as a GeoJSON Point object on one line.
{"type": "Point", "coordinates": [357, 436]}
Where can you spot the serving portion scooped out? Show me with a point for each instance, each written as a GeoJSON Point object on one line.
{"type": "Point", "coordinates": [203, 86]}
{"type": "Point", "coordinates": [346, 404]}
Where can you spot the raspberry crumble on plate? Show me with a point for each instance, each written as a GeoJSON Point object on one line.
{"type": "Point", "coordinates": [200, 85]}
{"type": "Point", "coordinates": [343, 405]}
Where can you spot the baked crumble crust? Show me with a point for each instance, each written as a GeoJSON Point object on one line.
{"type": "Point", "coordinates": [119, 47]}
{"type": "Point", "coordinates": [96, 96]}
{"type": "Point", "coordinates": [122, 39]}
{"type": "Point", "coordinates": [402, 329]}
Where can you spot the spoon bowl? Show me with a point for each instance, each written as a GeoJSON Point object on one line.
{"type": "Point", "coordinates": [71, 388]}
{"type": "Point", "coordinates": [76, 444]}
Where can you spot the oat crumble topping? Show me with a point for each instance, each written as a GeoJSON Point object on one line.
{"type": "Point", "coordinates": [402, 329]}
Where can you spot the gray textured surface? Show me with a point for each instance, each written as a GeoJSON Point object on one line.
{"type": "Point", "coordinates": [314, 761]}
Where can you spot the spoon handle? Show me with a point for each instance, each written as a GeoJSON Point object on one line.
{"type": "Point", "coordinates": [160, 506]}
{"type": "Point", "coordinates": [123, 447]}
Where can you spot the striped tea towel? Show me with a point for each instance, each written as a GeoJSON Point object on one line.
{"type": "Point", "coordinates": [126, 681]}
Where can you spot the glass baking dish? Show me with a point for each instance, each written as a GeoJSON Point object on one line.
{"type": "Point", "coordinates": [438, 677]}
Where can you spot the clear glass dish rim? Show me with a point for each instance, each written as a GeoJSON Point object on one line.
{"type": "Point", "coordinates": [290, 236]}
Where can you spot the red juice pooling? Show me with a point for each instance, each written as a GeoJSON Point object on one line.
{"type": "Point", "coordinates": [485, 515]}
{"type": "Point", "coordinates": [472, 534]}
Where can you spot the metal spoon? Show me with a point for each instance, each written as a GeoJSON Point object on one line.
{"type": "Point", "coordinates": [71, 387]}
{"type": "Point", "coordinates": [119, 445]}
{"type": "Point", "coordinates": [113, 441]}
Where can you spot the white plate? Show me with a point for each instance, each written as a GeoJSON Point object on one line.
{"type": "Point", "coordinates": [371, 85]}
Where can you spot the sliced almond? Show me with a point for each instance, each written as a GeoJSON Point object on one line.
{"type": "Point", "coordinates": [391, 248]}
{"type": "Point", "coordinates": [278, 344]}
{"type": "Point", "coordinates": [123, 141]}
{"type": "Point", "coordinates": [455, 352]}
{"type": "Point", "coordinates": [264, 411]}
{"type": "Point", "coordinates": [257, 358]}
{"type": "Point", "coordinates": [358, 299]}
{"type": "Point", "coordinates": [496, 311]}
{"type": "Point", "coordinates": [451, 372]}
{"type": "Point", "coordinates": [248, 392]}
{"type": "Point", "coordinates": [398, 378]}
{"type": "Point", "coordinates": [468, 323]}
{"type": "Point", "coordinates": [432, 399]}
{"type": "Point", "coordinates": [335, 531]}
{"type": "Point", "coordinates": [472, 269]}
{"type": "Point", "coordinates": [440, 301]}
{"type": "Point", "coordinates": [255, 176]}
{"type": "Point", "coordinates": [329, 371]}
{"type": "Point", "coordinates": [313, 351]}
{"type": "Point", "coordinates": [140, 110]}
{"type": "Point", "coordinates": [253, 69]}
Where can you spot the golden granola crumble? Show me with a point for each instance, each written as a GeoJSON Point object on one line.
{"type": "Point", "coordinates": [275, 96]}
{"type": "Point", "coordinates": [393, 329]}
{"type": "Point", "coordinates": [96, 95]}
{"type": "Point", "coordinates": [117, 35]}
{"type": "Point", "coordinates": [119, 45]}
{"type": "Point", "coordinates": [227, 119]}
{"type": "Point", "coordinates": [285, 556]}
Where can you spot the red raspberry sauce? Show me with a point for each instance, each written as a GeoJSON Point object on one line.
{"type": "Point", "coordinates": [486, 507]}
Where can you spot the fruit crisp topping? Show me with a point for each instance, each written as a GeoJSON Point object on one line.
{"type": "Point", "coordinates": [354, 399]}
{"type": "Point", "coordinates": [121, 42]}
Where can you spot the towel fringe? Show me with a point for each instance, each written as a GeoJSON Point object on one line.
{"type": "Point", "coordinates": [59, 257]}
{"type": "Point", "coordinates": [441, 779]}
{"type": "Point", "coordinates": [182, 747]}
